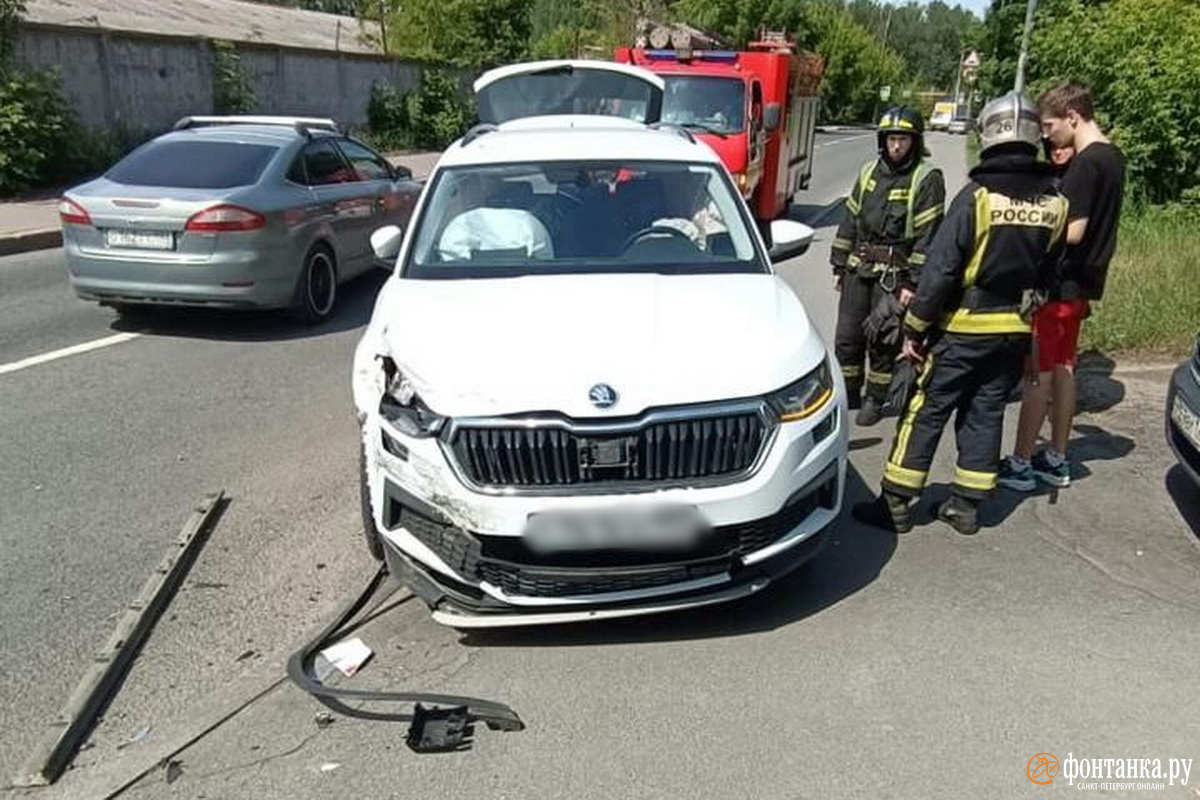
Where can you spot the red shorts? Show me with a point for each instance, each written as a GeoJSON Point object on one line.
{"type": "Point", "coordinates": [1056, 326]}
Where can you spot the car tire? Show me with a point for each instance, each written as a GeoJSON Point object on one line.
{"type": "Point", "coordinates": [316, 292]}
{"type": "Point", "coordinates": [371, 533]}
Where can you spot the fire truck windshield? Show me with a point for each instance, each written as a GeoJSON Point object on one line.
{"type": "Point", "coordinates": [716, 104]}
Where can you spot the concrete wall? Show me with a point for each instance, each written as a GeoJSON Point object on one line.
{"type": "Point", "coordinates": [142, 83]}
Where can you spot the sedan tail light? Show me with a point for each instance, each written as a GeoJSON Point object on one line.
{"type": "Point", "coordinates": [72, 213]}
{"type": "Point", "coordinates": [224, 218]}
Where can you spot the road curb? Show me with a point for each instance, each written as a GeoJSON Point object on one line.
{"type": "Point", "coordinates": [45, 239]}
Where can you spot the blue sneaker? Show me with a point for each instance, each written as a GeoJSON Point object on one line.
{"type": "Point", "coordinates": [1058, 476]}
{"type": "Point", "coordinates": [1018, 478]}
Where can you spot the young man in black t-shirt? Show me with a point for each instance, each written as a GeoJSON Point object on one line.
{"type": "Point", "coordinates": [1093, 184]}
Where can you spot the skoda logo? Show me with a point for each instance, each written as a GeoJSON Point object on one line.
{"type": "Point", "coordinates": [602, 395]}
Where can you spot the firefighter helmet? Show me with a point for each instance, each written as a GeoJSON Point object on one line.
{"type": "Point", "coordinates": [901, 119]}
{"type": "Point", "coordinates": [1010, 119]}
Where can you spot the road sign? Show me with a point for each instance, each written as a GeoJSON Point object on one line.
{"type": "Point", "coordinates": [885, 93]}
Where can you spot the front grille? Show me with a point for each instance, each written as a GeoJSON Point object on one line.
{"type": "Point", "coordinates": [701, 448]}
{"type": "Point", "coordinates": [527, 581]}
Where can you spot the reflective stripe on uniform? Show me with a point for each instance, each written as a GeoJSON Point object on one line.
{"type": "Point", "coordinates": [927, 216]}
{"type": "Point", "coordinates": [851, 371]}
{"type": "Point", "coordinates": [982, 230]}
{"type": "Point", "coordinates": [880, 378]}
{"type": "Point", "coordinates": [842, 244]}
{"type": "Point", "coordinates": [969, 479]}
{"type": "Point", "coordinates": [965, 320]}
{"type": "Point", "coordinates": [916, 259]}
{"type": "Point", "coordinates": [902, 476]}
{"type": "Point", "coordinates": [900, 447]}
{"type": "Point", "coordinates": [914, 189]}
{"type": "Point", "coordinates": [916, 323]}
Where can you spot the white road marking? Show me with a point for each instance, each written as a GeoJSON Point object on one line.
{"type": "Point", "coordinates": [844, 139]}
{"type": "Point", "coordinates": [73, 350]}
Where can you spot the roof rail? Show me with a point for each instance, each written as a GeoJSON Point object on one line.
{"type": "Point", "coordinates": [302, 125]}
{"type": "Point", "coordinates": [477, 131]}
{"type": "Point", "coordinates": [667, 126]}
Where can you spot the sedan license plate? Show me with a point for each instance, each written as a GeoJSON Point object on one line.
{"type": "Point", "coordinates": [656, 528]}
{"type": "Point", "coordinates": [1186, 421]}
{"type": "Point", "coordinates": [139, 240]}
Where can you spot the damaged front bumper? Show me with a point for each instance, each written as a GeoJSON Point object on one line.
{"type": "Point", "coordinates": [505, 584]}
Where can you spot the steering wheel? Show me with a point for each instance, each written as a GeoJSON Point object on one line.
{"type": "Point", "coordinates": [644, 232]}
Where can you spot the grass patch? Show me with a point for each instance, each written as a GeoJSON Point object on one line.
{"type": "Point", "coordinates": [1152, 297]}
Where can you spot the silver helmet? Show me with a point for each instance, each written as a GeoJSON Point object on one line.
{"type": "Point", "coordinates": [1010, 119]}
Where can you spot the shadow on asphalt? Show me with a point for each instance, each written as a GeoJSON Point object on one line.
{"type": "Point", "coordinates": [1096, 388]}
{"type": "Point", "coordinates": [1186, 496]}
{"type": "Point", "coordinates": [355, 302]}
{"type": "Point", "coordinates": [852, 559]}
{"type": "Point", "coordinates": [1095, 444]}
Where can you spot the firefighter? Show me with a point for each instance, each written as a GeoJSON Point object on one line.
{"type": "Point", "coordinates": [891, 216]}
{"type": "Point", "coordinates": [969, 324]}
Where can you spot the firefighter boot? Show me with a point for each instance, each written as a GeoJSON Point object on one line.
{"type": "Point", "coordinates": [871, 410]}
{"type": "Point", "coordinates": [869, 413]}
{"type": "Point", "coordinates": [889, 511]}
{"type": "Point", "coordinates": [961, 514]}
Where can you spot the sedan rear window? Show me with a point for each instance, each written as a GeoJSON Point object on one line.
{"type": "Point", "coordinates": [193, 165]}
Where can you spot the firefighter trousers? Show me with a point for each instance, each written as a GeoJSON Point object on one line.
{"type": "Point", "coordinates": [858, 296]}
{"type": "Point", "coordinates": [970, 376]}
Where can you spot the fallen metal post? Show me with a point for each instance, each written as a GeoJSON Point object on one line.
{"type": "Point", "coordinates": [91, 695]}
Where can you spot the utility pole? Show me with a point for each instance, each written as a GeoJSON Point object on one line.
{"type": "Point", "coordinates": [1030, 10]}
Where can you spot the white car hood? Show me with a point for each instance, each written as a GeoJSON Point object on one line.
{"type": "Point", "coordinates": [505, 346]}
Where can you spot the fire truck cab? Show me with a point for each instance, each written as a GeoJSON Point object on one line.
{"type": "Point", "coordinates": [757, 108]}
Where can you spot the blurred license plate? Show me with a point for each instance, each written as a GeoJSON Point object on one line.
{"type": "Point", "coordinates": [658, 528]}
{"type": "Point", "coordinates": [140, 240]}
{"type": "Point", "coordinates": [1187, 422]}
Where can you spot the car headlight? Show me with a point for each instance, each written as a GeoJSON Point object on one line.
{"type": "Point", "coordinates": [403, 408]}
{"type": "Point", "coordinates": [805, 397]}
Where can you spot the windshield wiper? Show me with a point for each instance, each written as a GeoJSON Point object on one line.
{"type": "Point", "coordinates": [695, 126]}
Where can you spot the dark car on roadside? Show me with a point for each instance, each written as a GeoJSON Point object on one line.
{"type": "Point", "coordinates": [1183, 413]}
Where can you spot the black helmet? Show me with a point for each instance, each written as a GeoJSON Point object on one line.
{"type": "Point", "coordinates": [902, 119]}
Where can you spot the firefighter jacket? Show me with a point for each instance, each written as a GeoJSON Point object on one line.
{"type": "Point", "coordinates": [1001, 241]}
{"type": "Point", "coordinates": [890, 213]}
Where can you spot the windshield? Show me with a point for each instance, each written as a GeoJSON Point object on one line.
{"type": "Point", "coordinates": [581, 217]}
{"type": "Point", "coordinates": [193, 164]}
{"type": "Point", "coordinates": [714, 103]}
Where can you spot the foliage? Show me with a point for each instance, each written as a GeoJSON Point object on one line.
{"type": "Point", "coordinates": [232, 92]}
{"type": "Point", "coordinates": [930, 38]}
{"type": "Point", "coordinates": [431, 116]}
{"type": "Point", "coordinates": [1149, 301]}
{"type": "Point", "coordinates": [33, 123]}
{"type": "Point", "coordinates": [11, 12]}
{"type": "Point", "coordinates": [1139, 57]}
{"type": "Point", "coordinates": [462, 33]}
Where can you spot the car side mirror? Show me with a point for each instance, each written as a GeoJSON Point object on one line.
{"type": "Point", "coordinates": [401, 172]}
{"type": "Point", "coordinates": [789, 239]}
{"type": "Point", "coordinates": [385, 242]}
{"type": "Point", "coordinates": [772, 116]}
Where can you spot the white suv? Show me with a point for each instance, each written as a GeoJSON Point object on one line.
{"type": "Point", "coordinates": [584, 393]}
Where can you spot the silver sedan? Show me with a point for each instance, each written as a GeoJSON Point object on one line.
{"type": "Point", "coordinates": [235, 212]}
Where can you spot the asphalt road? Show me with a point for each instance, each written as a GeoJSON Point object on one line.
{"type": "Point", "coordinates": [929, 666]}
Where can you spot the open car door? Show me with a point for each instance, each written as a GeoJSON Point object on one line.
{"type": "Point", "coordinates": [541, 88]}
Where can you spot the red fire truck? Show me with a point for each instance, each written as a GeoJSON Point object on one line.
{"type": "Point", "coordinates": [757, 108]}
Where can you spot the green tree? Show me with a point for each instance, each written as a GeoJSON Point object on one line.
{"type": "Point", "coordinates": [462, 33]}
{"type": "Point", "coordinates": [1139, 57]}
